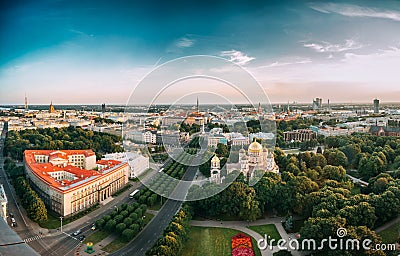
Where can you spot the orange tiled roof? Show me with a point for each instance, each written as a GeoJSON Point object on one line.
{"type": "Point", "coordinates": [44, 170]}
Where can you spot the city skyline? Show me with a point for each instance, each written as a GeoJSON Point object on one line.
{"type": "Point", "coordinates": [88, 53]}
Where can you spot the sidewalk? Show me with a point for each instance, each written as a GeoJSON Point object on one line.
{"type": "Point", "coordinates": [387, 225]}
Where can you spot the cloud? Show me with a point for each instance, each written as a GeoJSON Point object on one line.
{"type": "Point", "coordinates": [237, 57]}
{"type": "Point", "coordinates": [349, 44]}
{"type": "Point", "coordinates": [184, 42]}
{"type": "Point", "coordinates": [355, 11]}
{"type": "Point", "coordinates": [285, 63]}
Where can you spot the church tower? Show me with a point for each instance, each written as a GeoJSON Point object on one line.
{"type": "Point", "coordinates": [51, 108]}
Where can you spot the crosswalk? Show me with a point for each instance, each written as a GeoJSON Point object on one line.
{"type": "Point", "coordinates": [33, 238]}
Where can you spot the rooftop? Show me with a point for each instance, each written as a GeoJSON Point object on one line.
{"type": "Point", "coordinates": [76, 176]}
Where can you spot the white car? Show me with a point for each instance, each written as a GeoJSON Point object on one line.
{"type": "Point", "coordinates": [13, 222]}
{"type": "Point", "coordinates": [77, 232]}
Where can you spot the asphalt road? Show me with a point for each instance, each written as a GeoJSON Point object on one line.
{"type": "Point", "coordinates": [154, 229]}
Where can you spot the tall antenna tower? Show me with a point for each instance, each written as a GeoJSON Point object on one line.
{"type": "Point", "coordinates": [26, 102]}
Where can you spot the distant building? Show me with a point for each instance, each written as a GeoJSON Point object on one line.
{"type": "Point", "coordinates": [51, 108]}
{"type": "Point", "coordinates": [384, 131]}
{"type": "Point", "coordinates": [317, 104]}
{"type": "Point", "coordinates": [150, 137]}
{"type": "Point", "coordinates": [3, 203]}
{"type": "Point", "coordinates": [261, 136]}
{"type": "Point", "coordinates": [103, 107]}
{"type": "Point", "coordinates": [70, 181]}
{"type": "Point", "coordinates": [236, 139]}
{"type": "Point", "coordinates": [137, 162]}
{"type": "Point", "coordinates": [300, 135]}
{"type": "Point", "coordinates": [376, 106]}
{"type": "Point", "coordinates": [214, 140]}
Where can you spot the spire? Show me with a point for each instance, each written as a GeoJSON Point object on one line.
{"type": "Point", "coordinates": [198, 108]}
{"type": "Point", "coordinates": [26, 102]}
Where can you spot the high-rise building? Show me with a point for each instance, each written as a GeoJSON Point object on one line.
{"type": "Point", "coordinates": [317, 104]}
{"type": "Point", "coordinates": [376, 106]}
{"type": "Point", "coordinates": [103, 107]}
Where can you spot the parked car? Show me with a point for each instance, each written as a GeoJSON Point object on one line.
{"type": "Point", "coordinates": [77, 232]}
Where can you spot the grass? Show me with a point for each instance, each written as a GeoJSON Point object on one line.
{"type": "Point", "coordinates": [205, 241]}
{"type": "Point", "coordinates": [391, 234]}
{"type": "Point", "coordinates": [269, 230]}
{"type": "Point", "coordinates": [54, 222]}
{"type": "Point", "coordinates": [118, 243]}
{"type": "Point", "coordinates": [157, 206]}
{"type": "Point", "coordinates": [115, 245]}
{"type": "Point", "coordinates": [97, 236]}
{"type": "Point", "coordinates": [148, 218]}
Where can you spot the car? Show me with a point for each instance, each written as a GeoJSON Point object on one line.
{"type": "Point", "coordinates": [11, 214]}
{"type": "Point", "coordinates": [93, 227]}
{"type": "Point", "coordinates": [82, 237]}
{"type": "Point", "coordinates": [13, 222]}
{"type": "Point", "coordinates": [77, 232]}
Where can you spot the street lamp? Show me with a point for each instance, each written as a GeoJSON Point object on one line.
{"type": "Point", "coordinates": [61, 218]}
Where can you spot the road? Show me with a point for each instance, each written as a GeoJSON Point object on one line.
{"type": "Point", "coordinates": [24, 228]}
{"type": "Point", "coordinates": [155, 228]}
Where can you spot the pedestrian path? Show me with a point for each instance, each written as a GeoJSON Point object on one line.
{"type": "Point", "coordinates": [33, 238]}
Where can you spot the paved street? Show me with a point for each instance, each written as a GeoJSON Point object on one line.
{"type": "Point", "coordinates": [152, 231]}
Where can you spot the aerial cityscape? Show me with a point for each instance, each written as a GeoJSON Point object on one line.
{"type": "Point", "coordinates": [196, 128]}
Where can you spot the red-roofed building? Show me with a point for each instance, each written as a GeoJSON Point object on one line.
{"type": "Point", "coordinates": [70, 181]}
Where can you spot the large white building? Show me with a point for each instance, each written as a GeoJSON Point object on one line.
{"type": "Point", "coordinates": [256, 158]}
{"type": "Point", "coordinates": [3, 203]}
{"type": "Point", "coordinates": [137, 162]}
{"type": "Point", "coordinates": [70, 181]}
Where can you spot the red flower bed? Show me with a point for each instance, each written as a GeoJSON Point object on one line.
{"type": "Point", "coordinates": [242, 246]}
{"type": "Point", "coordinates": [243, 252]}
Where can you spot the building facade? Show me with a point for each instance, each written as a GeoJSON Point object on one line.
{"type": "Point", "coordinates": [69, 181]}
{"type": "Point", "coordinates": [256, 158]}
{"type": "Point", "coordinates": [3, 203]}
{"type": "Point", "coordinates": [300, 135]}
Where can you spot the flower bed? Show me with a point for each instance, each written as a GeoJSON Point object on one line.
{"type": "Point", "coordinates": [242, 246]}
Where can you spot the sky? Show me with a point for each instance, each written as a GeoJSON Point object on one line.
{"type": "Point", "coordinates": [90, 52]}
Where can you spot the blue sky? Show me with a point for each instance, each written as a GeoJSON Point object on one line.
{"type": "Point", "coordinates": [88, 52]}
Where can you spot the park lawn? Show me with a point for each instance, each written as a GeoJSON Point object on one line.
{"type": "Point", "coordinates": [268, 229]}
{"type": "Point", "coordinates": [391, 234]}
{"type": "Point", "coordinates": [97, 236]}
{"type": "Point", "coordinates": [53, 222]}
{"type": "Point", "coordinates": [207, 241]}
{"type": "Point", "coordinates": [148, 218]}
{"type": "Point", "coordinates": [115, 245]}
{"type": "Point", "coordinates": [157, 206]}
